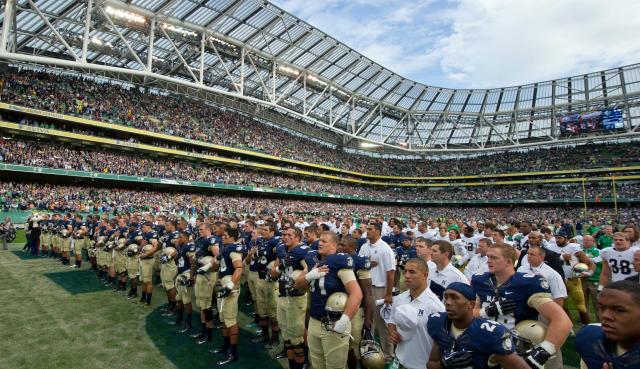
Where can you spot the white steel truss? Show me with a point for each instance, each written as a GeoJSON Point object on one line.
{"type": "Point", "coordinates": [253, 55]}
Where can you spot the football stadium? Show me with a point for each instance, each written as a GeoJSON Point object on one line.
{"type": "Point", "coordinates": [209, 183]}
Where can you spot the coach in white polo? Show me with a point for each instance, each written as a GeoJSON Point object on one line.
{"type": "Point", "coordinates": [383, 268]}
{"type": "Point", "coordinates": [445, 273]}
{"type": "Point", "coordinates": [408, 322]}
{"type": "Point", "coordinates": [536, 265]}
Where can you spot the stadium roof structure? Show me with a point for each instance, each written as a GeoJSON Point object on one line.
{"type": "Point", "coordinates": [254, 57]}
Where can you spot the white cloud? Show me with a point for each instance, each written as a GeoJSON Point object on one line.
{"type": "Point", "coordinates": [482, 43]}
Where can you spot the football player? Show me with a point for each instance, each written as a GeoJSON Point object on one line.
{"type": "Point", "coordinates": [361, 323]}
{"type": "Point", "coordinates": [208, 249]}
{"type": "Point", "coordinates": [134, 238]}
{"type": "Point", "coordinates": [120, 255]}
{"type": "Point", "coordinates": [149, 248]}
{"type": "Point", "coordinates": [404, 253]}
{"type": "Point", "coordinates": [229, 274]}
{"type": "Point", "coordinates": [462, 341]}
{"type": "Point", "coordinates": [510, 297]}
{"type": "Point", "coordinates": [572, 254]}
{"type": "Point", "coordinates": [168, 268]}
{"type": "Point", "coordinates": [267, 289]}
{"type": "Point", "coordinates": [617, 261]}
{"type": "Point", "coordinates": [184, 280]}
{"type": "Point", "coordinates": [292, 303]}
{"type": "Point", "coordinates": [335, 299]}
{"type": "Point", "coordinates": [66, 230]}
{"type": "Point", "coordinates": [616, 343]}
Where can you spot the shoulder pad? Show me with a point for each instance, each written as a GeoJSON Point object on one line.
{"type": "Point", "coordinates": [341, 261]}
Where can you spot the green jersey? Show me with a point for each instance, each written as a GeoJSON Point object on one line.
{"type": "Point", "coordinates": [594, 254]}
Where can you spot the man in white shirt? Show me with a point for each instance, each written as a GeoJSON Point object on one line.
{"type": "Point", "coordinates": [470, 239]}
{"type": "Point", "coordinates": [535, 256]}
{"type": "Point", "coordinates": [423, 231]}
{"type": "Point", "coordinates": [408, 332]}
{"type": "Point", "coordinates": [445, 273]}
{"type": "Point", "coordinates": [478, 263]}
{"type": "Point", "coordinates": [383, 268]}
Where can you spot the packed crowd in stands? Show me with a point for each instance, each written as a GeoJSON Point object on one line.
{"type": "Point", "coordinates": [180, 116]}
{"type": "Point", "coordinates": [16, 196]}
{"type": "Point", "coordinates": [43, 154]}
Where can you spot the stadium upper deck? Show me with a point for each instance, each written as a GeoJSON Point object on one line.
{"type": "Point", "coordinates": [254, 57]}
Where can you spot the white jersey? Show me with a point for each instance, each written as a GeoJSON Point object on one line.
{"type": "Point", "coordinates": [620, 262]}
{"type": "Point", "coordinates": [460, 249]}
{"type": "Point", "coordinates": [567, 265]}
{"type": "Point", "coordinates": [477, 265]}
{"type": "Point", "coordinates": [556, 283]}
{"type": "Point", "coordinates": [439, 280]}
{"type": "Point", "coordinates": [471, 243]}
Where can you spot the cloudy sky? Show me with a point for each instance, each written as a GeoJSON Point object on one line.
{"type": "Point", "coordinates": [481, 43]}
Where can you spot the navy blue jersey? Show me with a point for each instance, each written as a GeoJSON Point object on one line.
{"type": "Point", "coordinates": [150, 236]}
{"type": "Point", "coordinates": [265, 254]}
{"type": "Point", "coordinates": [160, 229]}
{"type": "Point", "coordinates": [519, 288]}
{"type": "Point", "coordinates": [313, 245]}
{"type": "Point", "coordinates": [360, 263]}
{"type": "Point", "coordinates": [403, 255]}
{"type": "Point", "coordinates": [322, 288]}
{"type": "Point", "coordinates": [253, 262]}
{"type": "Point", "coordinates": [169, 237]}
{"type": "Point", "coordinates": [393, 240]}
{"type": "Point", "coordinates": [595, 350]}
{"type": "Point", "coordinates": [102, 231]}
{"type": "Point", "coordinates": [226, 264]}
{"type": "Point", "coordinates": [183, 261]}
{"type": "Point", "coordinates": [204, 245]}
{"type": "Point", "coordinates": [123, 231]}
{"type": "Point", "coordinates": [290, 261]}
{"type": "Point", "coordinates": [361, 241]}
{"type": "Point", "coordinates": [131, 235]}
{"type": "Point", "coordinates": [483, 338]}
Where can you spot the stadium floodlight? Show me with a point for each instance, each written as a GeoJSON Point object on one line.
{"type": "Point", "coordinates": [288, 70]}
{"type": "Point", "coordinates": [403, 144]}
{"type": "Point", "coordinates": [315, 79]}
{"type": "Point", "coordinates": [96, 41]}
{"type": "Point", "coordinates": [213, 39]}
{"type": "Point", "coordinates": [125, 15]}
{"type": "Point", "coordinates": [179, 30]}
{"type": "Point", "coordinates": [368, 145]}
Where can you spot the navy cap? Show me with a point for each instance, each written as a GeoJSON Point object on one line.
{"type": "Point", "coordinates": [463, 289]}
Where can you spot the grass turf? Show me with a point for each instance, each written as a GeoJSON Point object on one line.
{"type": "Point", "coordinates": [57, 317]}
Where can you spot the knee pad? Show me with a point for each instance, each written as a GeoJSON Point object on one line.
{"type": "Point", "coordinates": [208, 315]}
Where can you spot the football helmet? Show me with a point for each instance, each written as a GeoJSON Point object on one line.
{"type": "Point", "coordinates": [333, 308]}
{"type": "Point", "coordinates": [371, 355]}
{"type": "Point", "coordinates": [132, 250]}
{"type": "Point", "coordinates": [122, 243]}
{"type": "Point", "coordinates": [170, 252]}
{"type": "Point", "coordinates": [527, 334]}
{"type": "Point", "coordinates": [580, 268]}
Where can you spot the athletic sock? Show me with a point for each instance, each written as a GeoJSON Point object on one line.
{"type": "Point", "coordinates": [144, 296]}
{"type": "Point", "coordinates": [148, 298]}
{"type": "Point", "coordinates": [234, 350]}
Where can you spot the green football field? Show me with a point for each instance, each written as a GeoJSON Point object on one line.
{"type": "Point", "coordinates": [58, 317]}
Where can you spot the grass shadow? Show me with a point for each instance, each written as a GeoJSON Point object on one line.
{"type": "Point", "coordinates": [25, 255]}
{"type": "Point", "coordinates": [76, 282]}
{"type": "Point", "coordinates": [184, 353]}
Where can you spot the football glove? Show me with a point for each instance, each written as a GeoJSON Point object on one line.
{"type": "Point", "coordinates": [539, 355]}
{"type": "Point", "coordinates": [342, 326]}
{"type": "Point", "coordinates": [496, 308]}
{"type": "Point", "coordinates": [457, 360]}
{"type": "Point", "coordinates": [189, 282]}
{"type": "Point", "coordinates": [224, 292]}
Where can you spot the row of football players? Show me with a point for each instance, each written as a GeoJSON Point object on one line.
{"type": "Point", "coordinates": [264, 260]}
